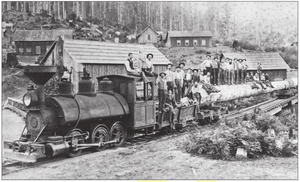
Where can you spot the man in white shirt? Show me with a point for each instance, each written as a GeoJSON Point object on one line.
{"type": "Point", "coordinates": [239, 71]}
{"type": "Point", "coordinates": [178, 84]}
{"type": "Point", "coordinates": [244, 70]}
{"type": "Point", "coordinates": [206, 64]}
{"type": "Point", "coordinates": [170, 77]}
{"type": "Point", "coordinates": [147, 66]}
{"type": "Point", "coordinates": [182, 65]}
{"type": "Point", "coordinates": [230, 68]}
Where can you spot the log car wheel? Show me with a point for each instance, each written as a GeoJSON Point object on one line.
{"type": "Point", "coordinates": [74, 140]}
{"type": "Point", "coordinates": [118, 133]}
{"type": "Point", "coordinates": [100, 134]}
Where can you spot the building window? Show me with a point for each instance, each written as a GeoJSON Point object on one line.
{"type": "Point", "coordinates": [178, 42]}
{"type": "Point", "coordinates": [28, 49]}
{"type": "Point", "coordinates": [195, 42]}
{"type": "Point", "coordinates": [149, 38]}
{"type": "Point", "coordinates": [38, 50]}
{"type": "Point", "coordinates": [203, 42]}
{"type": "Point", "coordinates": [21, 50]}
{"type": "Point", "coordinates": [187, 42]}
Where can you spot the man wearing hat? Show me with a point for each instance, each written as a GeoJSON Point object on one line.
{"type": "Point", "coordinates": [188, 81]}
{"type": "Point", "coordinates": [244, 70]}
{"type": "Point", "coordinates": [196, 76]}
{"type": "Point", "coordinates": [147, 66]}
{"type": "Point", "coordinates": [206, 64]}
{"type": "Point", "coordinates": [235, 72]}
{"type": "Point", "coordinates": [162, 90]}
{"type": "Point", "coordinates": [239, 68]}
{"type": "Point", "coordinates": [259, 69]}
{"type": "Point", "coordinates": [178, 84]}
{"type": "Point", "coordinates": [230, 68]}
{"type": "Point", "coordinates": [182, 65]}
{"type": "Point", "coordinates": [215, 70]}
{"type": "Point", "coordinates": [170, 77]}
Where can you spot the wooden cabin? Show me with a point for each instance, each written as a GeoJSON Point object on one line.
{"type": "Point", "coordinates": [189, 39]}
{"type": "Point", "coordinates": [37, 42]}
{"type": "Point", "coordinates": [103, 58]}
{"type": "Point", "coordinates": [147, 36]}
{"type": "Point", "coordinates": [271, 63]}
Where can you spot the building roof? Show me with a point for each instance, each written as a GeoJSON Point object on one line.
{"type": "Point", "coordinates": [41, 35]}
{"type": "Point", "coordinates": [94, 52]}
{"type": "Point", "coordinates": [189, 34]}
{"type": "Point", "coordinates": [145, 30]}
{"type": "Point", "coordinates": [269, 61]}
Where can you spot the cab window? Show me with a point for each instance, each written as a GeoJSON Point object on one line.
{"type": "Point", "coordinates": [144, 91]}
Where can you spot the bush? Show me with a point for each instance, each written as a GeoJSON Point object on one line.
{"type": "Point", "coordinates": [71, 16]}
{"type": "Point", "coordinates": [201, 51]}
{"type": "Point", "coordinates": [223, 141]}
{"type": "Point", "coordinates": [227, 43]}
{"type": "Point", "coordinates": [270, 49]}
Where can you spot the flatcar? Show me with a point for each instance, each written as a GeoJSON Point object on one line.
{"type": "Point", "coordinates": [68, 123]}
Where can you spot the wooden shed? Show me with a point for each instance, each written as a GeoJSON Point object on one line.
{"type": "Point", "coordinates": [189, 39]}
{"type": "Point", "coordinates": [103, 58]}
{"type": "Point", "coordinates": [147, 36]}
{"type": "Point", "coordinates": [271, 63]}
{"type": "Point", "coordinates": [37, 42]}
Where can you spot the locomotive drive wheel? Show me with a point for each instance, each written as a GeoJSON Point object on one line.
{"type": "Point", "coordinates": [118, 133]}
{"type": "Point", "coordinates": [100, 134]}
{"type": "Point", "coordinates": [77, 139]}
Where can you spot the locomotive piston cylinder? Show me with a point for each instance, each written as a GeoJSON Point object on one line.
{"type": "Point", "coordinates": [56, 149]}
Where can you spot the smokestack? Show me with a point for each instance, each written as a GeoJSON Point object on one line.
{"type": "Point", "coordinates": [40, 75]}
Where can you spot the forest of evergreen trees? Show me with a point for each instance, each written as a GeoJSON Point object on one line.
{"type": "Point", "coordinates": [262, 23]}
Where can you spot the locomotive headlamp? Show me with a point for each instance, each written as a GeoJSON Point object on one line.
{"type": "Point", "coordinates": [30, 99]}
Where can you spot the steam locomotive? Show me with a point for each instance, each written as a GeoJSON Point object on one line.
{"type": "Point", "coordinates": [67, 123]}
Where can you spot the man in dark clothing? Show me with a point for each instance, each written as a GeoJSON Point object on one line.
{"type": "Point", "coordinates": [215, 71]}
{"type": "Point", "coordinates": [162, 90]}
{"type": "Point", "coordinates": [259, 69]}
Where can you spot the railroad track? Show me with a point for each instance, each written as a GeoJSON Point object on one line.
{"type": "Point", "coordinates": [272, 107]}
{"type": "Point", "coordinates": [269, 106]}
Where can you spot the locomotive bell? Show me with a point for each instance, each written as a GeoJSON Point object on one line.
{"type": "Point", "coordinates": [105, 86]}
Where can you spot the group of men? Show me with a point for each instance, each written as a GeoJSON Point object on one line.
{"type": "Point", "coordinates": [194, 83]}
{"type": "Point", "coordinates": [225, 71]}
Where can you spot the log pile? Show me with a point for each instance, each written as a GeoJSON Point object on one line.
{"type": "Point", "coordinates": [233, 92]}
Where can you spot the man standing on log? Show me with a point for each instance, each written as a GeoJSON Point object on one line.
{"type": "Point", "coordinates": [259, 69]}
{"type": "Point", "coordinates": [239, 69]}
{"type": "Point", "coordinates": [235, 72]}
{"type": "Point", "coordinates": [230, 68]}
{"type": "Point", "coordinates": [215, 71]}
{"type": "Point", "coordinates": [244, 70]}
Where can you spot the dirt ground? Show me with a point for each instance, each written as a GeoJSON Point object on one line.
{"type": "Point", "coordinates": [157, 159]}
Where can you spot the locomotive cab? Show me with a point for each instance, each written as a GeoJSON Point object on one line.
{"type": "Point", "coordinates": [140, 97]}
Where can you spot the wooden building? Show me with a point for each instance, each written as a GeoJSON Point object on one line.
{"type": "Point", "coordinates": [37, 42]}
{"type": "Point", "coordinates": [103, 58]}
{"type": "Point", "coordinates": [147, 36]}
{"type": "Point", "coordinates": [189, 39]}
{"type": "Point", "coordinates": [271, 63]}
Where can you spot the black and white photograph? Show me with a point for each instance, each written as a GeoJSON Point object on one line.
{"type": "Point", "coordinates": [149, 90]}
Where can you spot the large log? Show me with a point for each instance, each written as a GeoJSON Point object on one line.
{"type": "Point", "coordinates": [233, 92]}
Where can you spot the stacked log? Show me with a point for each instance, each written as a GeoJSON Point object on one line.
{"type": "Point", "coordinates": [233, 92]}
